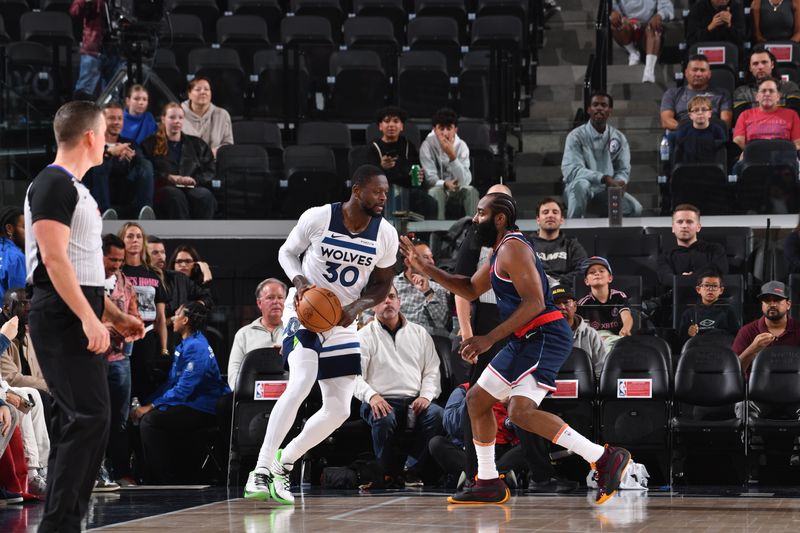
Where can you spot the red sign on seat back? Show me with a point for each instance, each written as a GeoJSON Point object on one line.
{"type": "Point", "coordinates": [634, 388]}
{"type": "Point", "coordinates": [269, 390]}
{"type": "Point", "coordinates": [565, 388]}
{"type": "Point", "coordinates": [782, 52]}
{"type": "Point", "coordinates": [715, 54]}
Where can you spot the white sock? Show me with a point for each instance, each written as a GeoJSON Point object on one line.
{"type": "Point", "coordinates": [631, 48]}
{"type": "Point", "coordinates": [303, 364]}
{"type": "Point", "coordinates": [650, 63]}
{"type": "Point", "coordinates": [577, 443]}
{"type": "Point", "coordinates": [486, 465]}
{"type": "Point", "coordinates": [336, 396]}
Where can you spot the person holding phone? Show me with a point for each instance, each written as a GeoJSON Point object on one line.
{"type": "Point", "coordinates": [716, 20]}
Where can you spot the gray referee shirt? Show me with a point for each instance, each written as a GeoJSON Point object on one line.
{"type": "Point", "coordinates": [57, 195]}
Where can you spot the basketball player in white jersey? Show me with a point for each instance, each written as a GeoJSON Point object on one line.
{"type": "Point", "coordinates": [351, 250]}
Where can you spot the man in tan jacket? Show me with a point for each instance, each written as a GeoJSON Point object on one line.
{"type": "Point", "coordinates": [18, 364]}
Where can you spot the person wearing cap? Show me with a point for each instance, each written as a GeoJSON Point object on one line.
{"type": "Point", "coordinates": [584, 336]}
{"type": "Point", "coordinates": [775, 328]}
{"type": "Point", "coordinates": [604, 308]}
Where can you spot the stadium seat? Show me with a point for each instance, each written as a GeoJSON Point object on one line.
{"type": "Point", "coordinates": [248, 189]}
{"type": "Point", "coordinates": [375, 34]}
{"type": "Point", "coordinates": [182, 33]}
{"type": "Point", "coordinates": [166, 66]}
{"type": "Point", "coordinates": [247, 34]}
{"type": "Point", "coordinates": [685, 297]}
{"type": "Point", "coordinates": [576, 402]}
{"type": "Point", "coordinates": [505, 31]}
{"type": "Point", "coordinates": [359, 87]}
{"type": "Point", "coordinates": [787, 59]}
{"type": "Point", "coordinates": [224, 70]}
{"type": "Point", "coordinates": [651, 341]}
{"type": "Point", "coordinates": [31, 74]}
{"type": "Point", "coordinates": [473, 84]}
{"type": "Point", "coordinates": [275, 85]}
{"type": "Point", "coordinates": [357, 156]}
{"type": "Point", "coordinates": [720, 54]}
{"type": "Point", "coordinates": [334, 135]}
{"type": "Point", "coordinates": [708, 384]}
{"type": "Point", "coordinates": [312, 36]}
{"type": "Point", "coordinates": [631, 254]}
{"type": "Point", "coordinates": [4, 38]}
{"type": "Point", "coordinates": [266, 135]}
{"type": "Point", "coordinates": [512, 8]}
{"type": "Point", "coordinates": [310, 168]}
{"type": "Point", "coordinates": [702, 184]}
{"type": "Point", "coordinates": [269, 10]}
{"type": "Point", "coordinates": [327, 9]}
{"type": "Point", "coordinates": [390, 9]}
{"type": "Point", "coordinates": [710, 339]}
{"type": "Point", "coordinates": [11, 11]}
{"type": "Point", "coordinates": [206, 10]}
{"type": "Point", "coordinates": [585, 236]}
{"type": "Point", "coordinates": [454, 370]}
{"type": "Point", "coordinates": [454, 9]}
{"type": "Point", "coordinates": [436, 33]}
{"type": "Point", "coordinates": [423, 85]}
{"type": "Point", "coordinates": [768, 165]}
{"type": "Point", "coordinates": [477, 135]}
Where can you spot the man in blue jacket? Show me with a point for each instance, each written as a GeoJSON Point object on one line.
{"type": "Point", "coordinates": [12, 242]}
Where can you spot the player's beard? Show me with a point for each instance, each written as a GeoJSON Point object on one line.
{"type": "Point", "coordinates": [370, 211]}
{"type": "Point", "coordinates": [486, 233]}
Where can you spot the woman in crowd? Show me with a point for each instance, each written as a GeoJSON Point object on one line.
{"type": "Point", "coordinates": [186, 403]}
{"type": "Point", "coordinates": [149, 360]}
{"type": "Point", "coordinates": [138, 123]}
{"type": "Point", "coordinates": [184, 169]}
{"type": "Point", "coordinates": [204, 119]}
{"type": "Point", "coordinates": [187, 261]}
{"type": "Point", "coordinates": [776, 20]}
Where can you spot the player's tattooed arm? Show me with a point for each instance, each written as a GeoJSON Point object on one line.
{"type": "Point", "coordinates": [380, 281]}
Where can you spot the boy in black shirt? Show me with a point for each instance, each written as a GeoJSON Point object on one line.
{"type": "Point", "coordinates": [708, 316]}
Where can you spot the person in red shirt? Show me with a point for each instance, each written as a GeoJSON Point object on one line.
{"type": "Point", "coordinates": [775, 328]}
{"type": "Point", "coordinates": [767, 121]}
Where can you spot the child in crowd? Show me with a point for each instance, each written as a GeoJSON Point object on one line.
{"type": "Point", "coordinates": [700, 140]}
{"type": "Point", "coordinates": [605, 309]}
{"type": "Point", "coordinates": [708, 316]}
{"type": "Point", "coordinates": [138, 123]}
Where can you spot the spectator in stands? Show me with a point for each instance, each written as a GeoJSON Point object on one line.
{"type": "Point", "coordinates": [690, 254]}
{"type": "Point", "coordinates": [596, 157]}
{"type": "Point", "coordinates": [445, 159]}
{"type": "Point", "coordinates": [768, 120]}
{"type": "Point", "coordinates": [762, 65]}
{"type": "Point", "coordinates": [186, 260]}
{"type": "Point", "coordinates": [604, 308]}
{"type": "Point", "coordinates": [423, 301]}
{"type": "Point", "coordinates": [12, 244]}
{"type": "Point", "coordinates": [675, 102]}
{"type": "Point", "coordinates": [775, 328]}
{"type": "Point", "coordinates": [148, 370]}
{"type": "Point", "coordinates": [632, 18]}
{"type": "Point", "coordinates": [585, 337]}
{"type": "Point", "coordinates": [561, 256]}
{"type": "Point", "coordinates": [776, 20]}
{"type": "Point", "coordinates": [184, 168]}
{"type": "Point", "coordinates": [184, 405]}
{"type": "Point", "coordinates": [18, 364]}
{"type": "Point", "coordinates": [400, 379]}
{"type": "Point", "coordinates": [265, 331]}
{"type": "Point", "coordinates": [395, 154]}
{"type": "Point", "coordinates": [179, 288]}
{"type": "Point", "coordinates": [204, 119]}
{"type": "Point", "coordinates": [716, 20]}
{"type": "Point", "coordinates": [98, 65]}
{"type": "Point", "coordinates": [708, 315]}
{"type": "Point", "coordinates": [122, 293]}
{"type": "Point", "coordinates": [701, 139]}
{"type": "Point", "coordinates": [125, 174]}
{"type": "Point", "coordinates": [137, 122]}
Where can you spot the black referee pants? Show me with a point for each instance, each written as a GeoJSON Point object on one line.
{"type": "Point", "coordinates": [79, 429]}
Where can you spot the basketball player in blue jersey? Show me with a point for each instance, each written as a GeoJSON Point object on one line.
{"type": "Point", "coordinates": [350, 249]}
{"type": "Point", "coordinates": [539, 341]}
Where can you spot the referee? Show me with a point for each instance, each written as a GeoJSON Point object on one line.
{"type": "Point", "coordinates": [65, 266]}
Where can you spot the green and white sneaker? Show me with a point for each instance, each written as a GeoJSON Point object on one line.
{"type": "Point", "coordinates": [280, 482]}
{"type": "Point", "coordinates": [257, 487]}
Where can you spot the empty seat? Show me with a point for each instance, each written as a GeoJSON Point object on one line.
{"type": "Point", "coordinates": [635, 255]}
{"type": "Point", "coordinates": [436, 33]}
{"type": "Point", "coordinates": [503, 31]}
{"type": "Point", "coordinates": [11, 11]}
{"type": "Point", "coordinates": [423, 85]}
{"type": "Point", "coordinates": [310, 168]}
{"type": "Point", "coordinates": [182, 33]}
{"type": "Point", "coordinates": [334, 135]}
{"type": "Point", "coordinates": [453, 9]}
{"type": "Point", "coordinates": [477, 135]}
{"type": "Point", "coordinates": [206, 10]}
{"type": "Point", "coordinates": [30, 72]}
{"type": "Point", "coordinates": [47, 27]}
{"type": "Point", "coordinates": [328, 9]}
{"type": "Point", "coordinates": [248, 188]}
{"type": "Point", "coordinates": [282, 89]}
{"type": "Point", "coordinates": [312, 36]}
{"type": "Point", "coordinates": [473, 84]}
{"type": "Point", "coordinates": [375, 34]}
{"type": "Point", "coordinates": [390, 9]}
{"type": "Point", "coordinates": [223, 68]}
{"type": "Point", "coordinates": [269, 10]}
{"type": "Point", "coordinates": [359, 86]}
{"type": "Point", "coordinates": [264, 134]}
{"type": "Point", "coordinates": [247, 34]}
{"type": "Point", "coordinates": [769, 168]}
{"type": "Point", "coordinates": [166, 66]}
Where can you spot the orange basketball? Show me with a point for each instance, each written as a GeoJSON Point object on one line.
{"type": "Point", "coordinates": [319, 310]}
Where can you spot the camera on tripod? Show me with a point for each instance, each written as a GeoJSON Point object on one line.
{"type": "Point", "coordinates": [133, 26]}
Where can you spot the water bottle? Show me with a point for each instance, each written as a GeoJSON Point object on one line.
{"type": "Point", "coordinates": [415, 180]}
{"type": "Point", "coordinates": [135, 404]}
{"type": "Point", "coordinates": [664, 147]}
{"type": "Point", "coordinates": [411, 418]}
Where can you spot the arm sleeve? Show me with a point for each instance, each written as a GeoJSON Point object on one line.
{"type": "Point", "coordinates": [795, 126]}
{"type": "Point", "coordinates": [16, 271]}
{"type": "Point", "coordinates": [622, 161]}
{"type": "Point", "coordinates": [573, 166]}
{"type": "Point", "coordinates": [235, 359]}
{"type": "Point", "coordinates": [297, 242]}
{"type": "Point", "coordinates": [683, 327]}
{"type": "Point", "coordinates": [56, 201]}
{"type": "Point", "coordinates": [743, 339]}
{"type": "Point", "coordinates": [725, 103]}
{"type": "Point", "coordinates": [696, 27]}
{"type": "Point", "coordinates": [200, 293]}
{"type": "Point", "coordinates": [189, 379]}
{"type": "Point", "coordinates": [363, 390]}
{"type": "Point", "coordinates": [733, 321]}
{"type": "Point", "coordinates": [431, 379]}
{"type": "Point", "coordinates": [739, 128]}
{"type": "Point", "coordinates": [669, 100]}
{"type": "Point", "coordinates": [459, 167]}
{"type": "Point", "coordinates": [4, 344]}
{"type": "Point", "coordinates": [161, 294]}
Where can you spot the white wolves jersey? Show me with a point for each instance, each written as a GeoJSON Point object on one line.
{"type": "Point", "coordinates": [335, 258]}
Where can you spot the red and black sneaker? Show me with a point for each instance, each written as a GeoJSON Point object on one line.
{"type": "Point", "coordinates": [610, 468]}
{"type": "Point", "coordinates": [482, 492]}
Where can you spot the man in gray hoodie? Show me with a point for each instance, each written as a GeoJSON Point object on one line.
{"type": "Point", "coordinates": [585, 337]}
{"type": "Point", "coordinates": [444, 157]}
{"type": "Point", "coordinates": [596, 157]}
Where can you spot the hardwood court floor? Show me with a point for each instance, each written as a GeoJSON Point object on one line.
{"type": "Point", "coordinates": [428, 512]}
